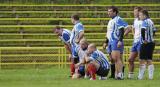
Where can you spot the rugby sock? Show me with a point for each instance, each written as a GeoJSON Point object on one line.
{"type": "Point", "coordinates": [92, 71]}
{"type": "Point", "coordinates": [151, 71]}
{"type": "Point", "coordinates": [123, 69]}
{"type": "Point", "coordinates": [112, 71]}
{"type": "Point", "coordinates": [131, 75]}
{"type": "Point", "coordinates": [72, 68]}
{"type": "Point", "coordinates": [141, 71]}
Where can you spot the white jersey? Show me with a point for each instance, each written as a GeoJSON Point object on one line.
{"type": "Point", "coordinates": [137, 30]}
{"type": "Point", "coordinates": [80, 53]}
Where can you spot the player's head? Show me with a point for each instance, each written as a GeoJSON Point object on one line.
{"type": "Point", "coordinates": [91, 48]}
{"type": "Point", "coordinates": [83, 44]}
{"type": "Point", "coordinates": [58, 30]}
{"type": "Point", "coordinates": [143, 14]}
{"type": "Point", "coordinates": [136, 11]}
{"type": "Point", "coordinates": [112, 11]}
{"type": "Point", "coordinates": [74, 18]}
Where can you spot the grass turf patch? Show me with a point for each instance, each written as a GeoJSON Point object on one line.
{"type": "Point", "coordinates": [54, 77]}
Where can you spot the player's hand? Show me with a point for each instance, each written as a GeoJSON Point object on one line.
{"type": "Point", "coordinates": [104, 45]}
{"type": "Point", "coordinates": [77, 65]}
{"type": "Point", "coordinates": [77, 40]}
{"type": "Point", "coordinates": [145, 42]}
{"type": "Point", "coordinates": [154, 33]}
{"type": "Point", "coordinates": [119, 44]}
{"type": "Point", "coordinates": [69, 57]}
{"type": "Point", "coordinates": [88, 53]}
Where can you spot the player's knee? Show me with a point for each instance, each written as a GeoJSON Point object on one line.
{"type": "Point", "coordinates": [130, 60]}
{"type": "Point", "coordinates": [112, 61]}
{"type": "Point", "coordinates": [149, 62]}
{"type": "Point", "coordinates": [116, 56]}
{"type": "Point", "coordinates": [91, 67]}
{"type": "Point", "coordinates": [142, 61]}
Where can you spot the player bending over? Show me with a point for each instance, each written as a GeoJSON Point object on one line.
{"type": "Point", "coordinates": [64, 35]}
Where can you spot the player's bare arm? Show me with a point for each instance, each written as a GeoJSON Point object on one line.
{"type": "Point", "coordinates": [81, 35]}
{"type": "Point", "coordinates": [128, 30]}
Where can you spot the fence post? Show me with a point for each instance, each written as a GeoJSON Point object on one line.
{"type": "Point", "coordinates": [0, 58]}
{"type": "Point", "coordinates": [59, 58]}
{"type": "Point", "coordinates": [65, 57]}
{"type": "Point", "coordinates": [62, 59]}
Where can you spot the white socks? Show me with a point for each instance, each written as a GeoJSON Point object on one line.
{"type": "Point", "coordinates": [131, 75]}
{"type": "Point", "coordinates": [142, 70]}
{"type": "Point", "coordinates": [151, 71]}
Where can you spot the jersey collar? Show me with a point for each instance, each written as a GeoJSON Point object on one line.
{"type": "Point", "coordinates": [114, 16]}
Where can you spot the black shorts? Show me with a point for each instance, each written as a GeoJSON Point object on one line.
{"type": "Point", "coordinates": [102, 72]}
{"type": "Point", "coordinates": [75, 60]}
{"type": "Point", "coordinates": [146, 51]}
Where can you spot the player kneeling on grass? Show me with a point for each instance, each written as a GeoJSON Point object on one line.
{"type": "Point", "coordinates": [80, 52]}
{"type": "Point", "coordinates": [97, 63]}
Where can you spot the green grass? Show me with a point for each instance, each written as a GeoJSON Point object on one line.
{"type": "Point", "coordinates": [54, 77]}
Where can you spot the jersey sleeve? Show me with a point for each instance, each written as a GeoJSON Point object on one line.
{"type": "Point", "coordinates": [79, 28]}
{"type": "Point", "coordinates": [121, 23]}
{"type": "Point", "coordinates": [154, 28]}
{"type": "Point", "coordinates": [66, 37]}
{"type": "Point", "coordinates": [94, 56]}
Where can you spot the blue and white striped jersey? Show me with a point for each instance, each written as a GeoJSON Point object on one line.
{"type": "Point", "coordinates": [100, 58]}
{"type": "Point", "coordinates": [148, 25]}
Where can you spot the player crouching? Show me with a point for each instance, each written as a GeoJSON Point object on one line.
{"type": "Point", "coordinates": [97, 63]}
{"type": "Point", "coordinates": [80, 53]}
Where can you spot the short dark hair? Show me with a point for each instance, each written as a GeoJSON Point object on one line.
{"type": "Point", "coordinates": [138, 8]}
{"type": "Point", "coordinates": [56, 28]}
{"type": "Point", "coordinates": [145, 12]}
{"type": "Point", "coordinates": [114, 8]}
{"type": "Point", "coordinates": [75, 16]}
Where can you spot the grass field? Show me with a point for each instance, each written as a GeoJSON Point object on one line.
{"type": "Point", "coordinates": [54, 77]}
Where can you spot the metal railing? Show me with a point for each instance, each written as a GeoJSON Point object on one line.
{"type": "Point", "coordinates": [43, 56]}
